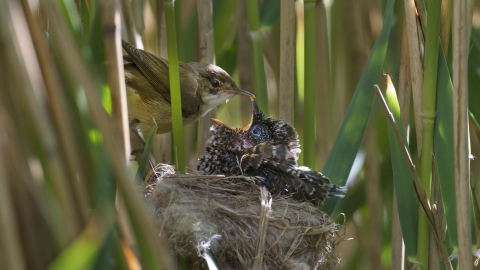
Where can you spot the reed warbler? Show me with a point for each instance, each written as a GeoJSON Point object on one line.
{"type": "Point", "coordinates": [202, 86]}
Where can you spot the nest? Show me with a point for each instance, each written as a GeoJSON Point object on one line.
{"type": "Point", "coordinates": [238, 223]}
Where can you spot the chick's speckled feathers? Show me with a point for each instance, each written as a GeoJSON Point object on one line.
{"type": "Point", "coordinates": [203, 87]}
{"type": "Point", "coordinates": [267, 148]}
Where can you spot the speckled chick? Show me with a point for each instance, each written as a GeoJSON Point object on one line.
{"type": "Point", "coordinates": [268, 149]}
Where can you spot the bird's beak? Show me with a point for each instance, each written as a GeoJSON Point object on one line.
{"type": "Point", "coordinates": [217, 122]}
{"type": "Point", "coordinates": [240, 91]}
{"type": "Point", "coordinates": [256, 110]}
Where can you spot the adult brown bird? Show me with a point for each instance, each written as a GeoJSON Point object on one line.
{"type": "Point", "coordinates": [203, 87]}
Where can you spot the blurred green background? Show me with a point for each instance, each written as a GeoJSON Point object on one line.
{"type": "Point", "coordinates": [66, 177]}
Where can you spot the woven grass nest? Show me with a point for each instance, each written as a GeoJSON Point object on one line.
{"type": "Point", "coordinates": [238, 223]}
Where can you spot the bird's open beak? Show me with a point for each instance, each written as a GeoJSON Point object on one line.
{"type": "Point", "coordinates": [240, 91]}
{"type": "Point", "coordinates": [256, 110]}
{"type": "Point", "coordinates": [217, 122]}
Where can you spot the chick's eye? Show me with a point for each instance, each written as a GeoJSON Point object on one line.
{"type": "Point", "coordinates": [257, 131]}
{"type": "Point", "coordinates": [215, 83]}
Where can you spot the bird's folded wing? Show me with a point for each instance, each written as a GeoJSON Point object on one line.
{"type": "Point", "coordinates": [151, 66]}
{"type": "Point", "coordinates": [280, 174]}
{"type": "Point", "coordinates": [253, 156]}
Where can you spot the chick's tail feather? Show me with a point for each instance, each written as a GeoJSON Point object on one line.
{"type": "Point", "coordinates": [336, 191]}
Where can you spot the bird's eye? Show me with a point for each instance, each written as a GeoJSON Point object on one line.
{"type": "Point", "coordinates": [215, 83]}
{"type": "Point", "coordinates": [257, 131]}
{"type": "Point", "coordinates": [260, 133]}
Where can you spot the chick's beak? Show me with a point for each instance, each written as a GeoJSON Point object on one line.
{"type": "Point", "coordinates": [239, 91]}
{"type": "Point", "coordinates": [217, 122]}
{"type": "Point", "coordinates": [255, 110]}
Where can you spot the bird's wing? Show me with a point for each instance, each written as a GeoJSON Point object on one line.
{"type": "Point", "coordinates": [188, 87]}
{"type": "Point", "coordinates": [279, 153]}
{"type": "Point", "coordinates": [151, 66]}
{"type": "Point", "coordinates": [280, 175]}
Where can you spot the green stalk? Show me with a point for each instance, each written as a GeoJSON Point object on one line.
{"type": "Point", "coordinates": [323, 85]}
{"type": "Point", "coordinates": [299, 78]}
{"type": "Point", "coordinates": [257, 41]}
{"type": "Point", "coordinates": [174, 85]}
{"type": "Point", "coordinates": [428, 120]}
{"type": "Point", "coordinates": [310, 85]}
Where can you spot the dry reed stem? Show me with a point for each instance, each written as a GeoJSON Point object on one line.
{"type": "Point", "coordinates": [460, 121]}
{"type": "Point", "coordinates": [129, 25]}
{"type": "Point", "coordinates": [287, 64]}
{"type": "Point", "coordinates": [110, 17]}
{"type": "Point", "coordinates": [161, 29]}
{"type": "Point", "coordinates": [434, 261]}
{"type": "Point", "coordinates": [205, 30]}
{"type": "Point", "coordinates": [422, 16]}
{"type": "Point", "coordinates": [207, 55]}
{"type": "Point", "coordinates": [445, 25]}
{"type": "Point", "coordinates": [416, 70]}
{"type": "Point", "coordinates": [244, 59]}
{"type": "Point", "coordinates": [404, 85]}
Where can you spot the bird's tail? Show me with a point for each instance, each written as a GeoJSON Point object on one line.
{"type": "Point", "coordinates": [336, 191]}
